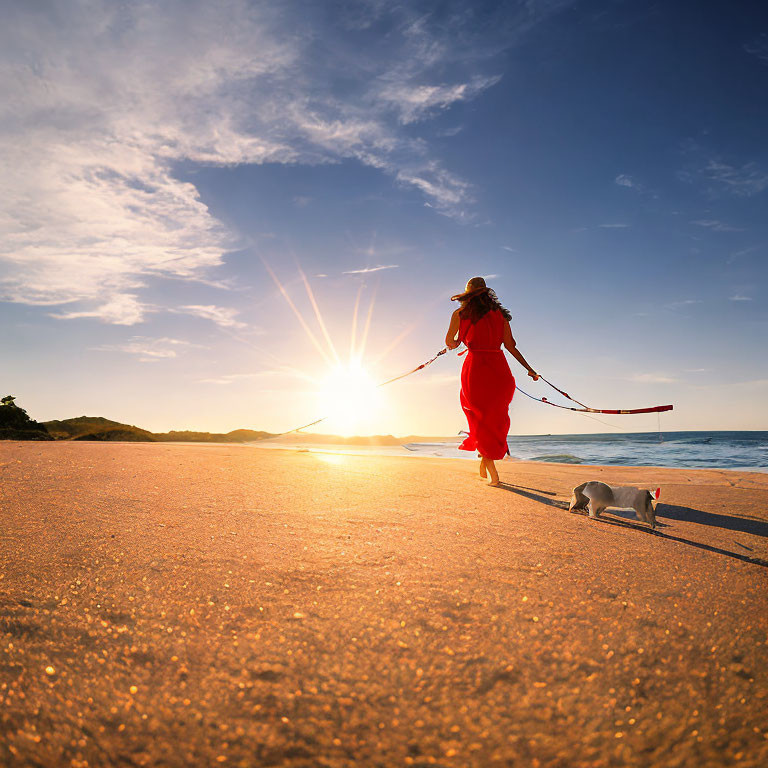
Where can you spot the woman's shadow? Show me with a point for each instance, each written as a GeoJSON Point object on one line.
{"type": "Point", "coordinates": [669, 512]}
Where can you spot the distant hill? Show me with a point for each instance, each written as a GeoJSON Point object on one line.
{"type": "Point", "coordinates": [86, 425]}
{"type": "Point", "coordinates": [236, 436]}
{"type": "Point", "coordinates": [98, 428]}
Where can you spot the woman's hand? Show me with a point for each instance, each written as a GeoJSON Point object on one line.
{"type": "Point", "coordinates": [533, 374]}
{"type": "Point", "coordinates": [452, 344]}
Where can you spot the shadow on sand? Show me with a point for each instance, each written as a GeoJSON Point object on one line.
{"type": "Point", "coordinates": [670, 512]}
{"type": "Point", "coordinates": [740, 524]}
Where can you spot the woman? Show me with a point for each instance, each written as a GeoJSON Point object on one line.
{"type": "Point", "coordinates": [487, 384]}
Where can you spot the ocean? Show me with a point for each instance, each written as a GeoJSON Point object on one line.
{"type": "Point", "coordinates": [696, 450]}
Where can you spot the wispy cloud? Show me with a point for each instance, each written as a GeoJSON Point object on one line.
{"type": "Point", "coordinates": [105, 100]}
{"type": "Point", "coordinates": [739, 297]}
{"type": "Point", "coordinates": [233, 378]}
{"type": "Point", "coordinates": [222, 316]}
{"type": "Point", "coordinates": [758, 47]}
{"type": "Point", "coordinates": [683, 303]}
{"type": "Point", "coordinates": [447, 192]}
{"type": "Point", "coordinates": [416, 102]}
{"type": "Point", "coordinates": [627, 181]}
{"type": "Point", "coordinates": [366, 270]}
{"type": "Point", "coordinates": [119, 309]}
{"type": "Point", "coordinates": [743, 252]}
{"type": "Point", "coordinates": [149, 350]}
{"type": "Point", "coordinates": [653, 378]}
{"type": "Point", "coordinates": [716, 226]}
{"type": "Point", "coordinates": [720, 178]}
{"type": "Point", "coordinates": [508, 248]}
{"type": "Point", "coordinates": [613, 226]}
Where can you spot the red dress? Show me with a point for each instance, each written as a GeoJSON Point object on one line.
{"type": "Point", "coordinates": [487, 386]}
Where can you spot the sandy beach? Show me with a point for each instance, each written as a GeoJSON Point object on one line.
{"type": "Point", "coordinates": [176, 605]}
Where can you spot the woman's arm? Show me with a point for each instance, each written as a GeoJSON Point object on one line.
{"type": "Point", "coordinates": [453, 329]}
{"type": "Point", "coordinates": [509, 343]}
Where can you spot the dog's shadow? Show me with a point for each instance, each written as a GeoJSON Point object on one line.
{"type": "Point", "coordinates": [668, 511]}
{"type": "Point", "coordinates": [713, 519]}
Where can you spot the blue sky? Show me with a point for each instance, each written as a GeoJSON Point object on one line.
{"type": "Point", "coordinates": [605, 162]}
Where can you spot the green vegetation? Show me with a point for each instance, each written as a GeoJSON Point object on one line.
{"type": "Point", "coordinates": [236, 436]}
{"type": "Point", "coordinates": [15, 423]}
{"type": "Point", "coordinates": [83, 426]}
{"type": "Point", "coordinates": [126, 434]}
{"type": "Point", "coordinates": [98, 428]}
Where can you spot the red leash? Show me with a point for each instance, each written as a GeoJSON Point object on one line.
{"type": "Point", "coordinates": [586, 408]}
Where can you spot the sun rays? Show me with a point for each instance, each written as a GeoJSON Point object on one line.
{"type": "Point", "coordinates": [346, 393]}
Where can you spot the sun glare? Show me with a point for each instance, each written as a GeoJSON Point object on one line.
{"type": "Point", "coordinates": [349, 397]}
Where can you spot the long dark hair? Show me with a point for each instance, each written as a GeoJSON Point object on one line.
{"type": "Point", "coordinates": [478, 300]}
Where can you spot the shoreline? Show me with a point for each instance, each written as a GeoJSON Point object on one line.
{"type": "Point", "coordinates": [396, 451]}
{"type": "Point", "coordinates": [373, 450]}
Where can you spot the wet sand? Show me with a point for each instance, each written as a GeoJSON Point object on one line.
{"type": "Point", "coordinates": [200, 605]}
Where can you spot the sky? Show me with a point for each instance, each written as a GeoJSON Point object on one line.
{"type": "Point", "coordinates": [208, 208]}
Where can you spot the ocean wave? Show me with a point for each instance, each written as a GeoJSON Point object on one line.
{"type": "Point", "coordinates": [558, 458]}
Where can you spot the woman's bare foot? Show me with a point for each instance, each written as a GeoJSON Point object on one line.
{"type": "Point", "coordinates": [483, 472]}
{"type": "Point", "coordinates": [491, 467]}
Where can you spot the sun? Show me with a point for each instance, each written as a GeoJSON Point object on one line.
{"type": "Point", "coordinates": [349, 397]}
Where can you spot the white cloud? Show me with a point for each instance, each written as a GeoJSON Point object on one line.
{"type": "Point", "coordinates": [508, 248]}
{"type": "Point", "coordinates": [223, 316]}
{"type": "Point", "coordinates": [104, 101]}
{"type": "Point", "coordinates": [683, 303]}
{"type": "Point", "coordinates": [738, 297]}
{"type": "Point", "coordinates": [653, 378]}
{"type": "Point", "coordinates": [716, 226]}
{"type": "Point", "coordinates": [415, 102]}
{"type": "Point", "coordinates": [758, 47]}
{"type": "Point", "coordinates": [366, 270]}
{"type": "Point", "coordinates": [626, 181]}
{"type": "Point", "coordinates": [92, 207]}
{"type": "Point", "coordinates": [746, 180]}
{"type": "Point", "coordinates": [119, 309]}
{"type": "Point", "coordinates": [149, 350]}
{"type": "Point", "coordinates": [743, 252]}
{"type": "Point", "coordinates": [613, 226]}
{"type": "Point", "coordinates": [447, 191]}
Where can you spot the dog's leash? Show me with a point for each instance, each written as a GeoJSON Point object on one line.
{"type": "Point", "coordinates": [584, 408]}
{"type": "Point", "coordinates": [587, 409]}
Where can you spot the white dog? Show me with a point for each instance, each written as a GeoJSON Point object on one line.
{"type": "Point", "coordinates": [596, 497]}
